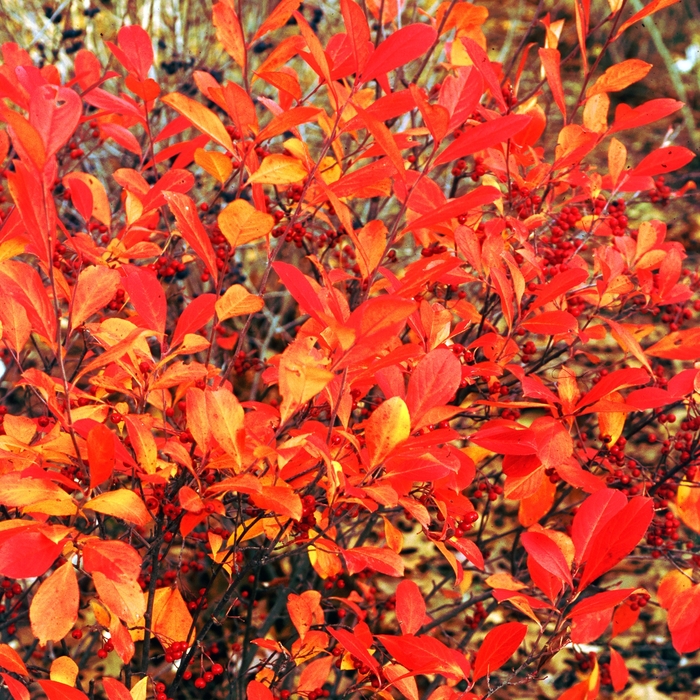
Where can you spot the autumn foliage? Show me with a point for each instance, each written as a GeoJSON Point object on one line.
{"type": "Point", "coordinates": [355, 377]}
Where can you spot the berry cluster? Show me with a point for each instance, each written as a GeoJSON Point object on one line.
{"type": "Point", "coordinates": [662, 192]}
{"type": "Point", "coordinates": [168, 268]}
{"type": "Point", "coordinates": [524, 202]}
{"type": "Point", "coordinates": [308, 519]}
{"type": "Point", "coordinates": [477, 617]}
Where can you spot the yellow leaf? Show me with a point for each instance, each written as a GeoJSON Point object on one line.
{"type": "Point", "coordinates": [386, 428]}
{"type": "Point", "coordinates": [123, 504]}
{"type": "Point", "coordinates": [138, 692]}
{"type": "Point", "coordinates": [242, 223]}
{"type": "Point", "coordinates": [237, 301]}
{"type": "Point", "coordinates": [278, 169]}
{"type": "Point", "coordinates": [64, 670]}
{"type": "Point", "coordinates": [11, 248]}
{"type": "Point", "coordinates": [54, 608]}
{"type": "Point", "coordinates": [201, 117]}
{"type": "Point", "coordinates": [216, 164]}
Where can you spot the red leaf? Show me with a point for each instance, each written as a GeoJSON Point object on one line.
{"type": "Point", "coordinates": [618, 671]}
{"type": "Point", "coordinates": [683, 618]}
{"type": "Point", "coordinates": [358, 33]}
{"type": "Point", "coordinates": [456, 207]}
{"type": "Point", "coordinates": [100, 447]}
{"type": "Point", "coordinates": [14, 545]}
{"type": "Point", "coordinates": [185, 211]}
{"type": "Point", "coordinates": [551, 323]}
{"type": "Point", "coordinates": [426, 655]}
{"type": "Point", "coordinates": [559, 284]}
{"type": "Point", "coordinates": [601, 601]}
{"type": "Point", "coordinates": [551, 58]}
{"type": "Point", "coordinates": [498, 646]}
{"type": "Point", "coordinates": [398, 49]}
{"type": "Point", "coordinates": [460, 95]}
{"type": "Point", "coordinates": [592, 515]}
{"type": "Point", "coordinates": [136, 45]}
{"type": "Point", "coordinates": [548, 555]}
{"type": "Point", "coordinates": [17, 690]}
{"type": "Point", "coordinates": [146, 295]}
{"type": "Point", "coordinates": [434, 381]}
{"type": "Point", "coordinates": [55, 113]}
{"type": "Point", "coordinates": [61, 691]}
{"type": "Point", "coordinates": [617, 538]}
{"type": "Point", "coordinates": [483, 65]}
{"type": "Point", "coordinates": [115, 690]}
{"type": "Point", "coordinates": [663, 160]}
{"type": "Point", "coordinates": [300, 288]}
{"type": "Point", "coordinates": [614, 381]}
{"type": "Point", "coordinates": [196, 314]}
{"type": "Point", "coordinates": [410, 607]}
{"type": "Point", "coordinates": [487, 135]}
{"type": "Point", "coordinates": [378, 559]}
{"type": "Point", "coordinates": [651, 111]}
{"type": "Point", "coordinates": [355, 646]}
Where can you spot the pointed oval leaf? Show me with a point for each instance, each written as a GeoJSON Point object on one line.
{"type": "Point", "coordinates": [54, 608]}
{"type": "Point", "coordinates": [498, 646]}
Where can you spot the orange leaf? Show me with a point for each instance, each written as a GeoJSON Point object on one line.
{"type": "Point", "coordinates": [237, 301]}
{"type": "Point", "coordinates": [143, 443]}
{"type": "Point", "coordinates": [241, 223]}
{"type": "Point", "coordinates": [191, 228]}
{"type": "Point", "coordinates": [201, 117]}
{"type": "Point", "coordinates": [277, 18]}
{"type": "Point", "coordinates": [374, 558]}
{"type": "Point", "coordinates": [216, 164]}
{"type": "Point", "coordinates": [653, 6]}
{"type": "Point", "coordinates": [171, 617]}
{"type": "Point", "coordinates": [123, 504]}
{"type": "Point", "coordinates": [12, 661]}
{"type": "Point", "coordinates": [620, 76]}
{"type": "Point", "coordinates": [54, 608]}
{"type": "Point", "coordinates": [229, 32]}
{"type": "Point", "coordinates": [301, 609]}
{"type": "Point", "coordinates": [95, 288]}
{"type": "Point", "coordinates": [100, 447]}
{"type": "Point", "coordinates": [117, 560]}
{"type": "Point", "coordinates": [225, 416]}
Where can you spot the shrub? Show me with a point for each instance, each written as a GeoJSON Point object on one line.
{"type": "Point", "coordinates": [355, 376]}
